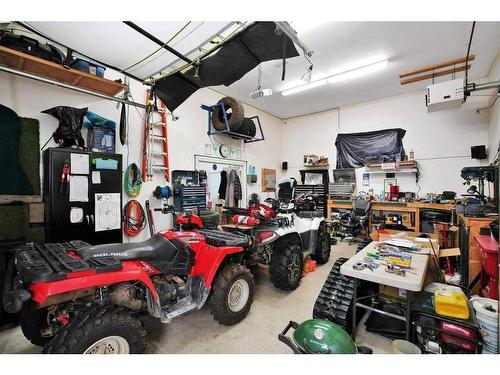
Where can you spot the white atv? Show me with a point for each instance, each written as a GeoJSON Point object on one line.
{"type": "Point", "coordinates": [284, 241]}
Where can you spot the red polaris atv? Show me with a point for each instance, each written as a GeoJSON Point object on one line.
{"type": "Point", "coordinates": [77, 298]}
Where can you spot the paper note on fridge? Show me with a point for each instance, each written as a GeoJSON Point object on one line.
{"type": "Point", "coordinates": [107, 211]}
{"type": "Point", "coordinates": [96, 177]}
{"type": "Point", "coordinates": [78, 189]}
{"type": "Point", "coordinates": [79, 163]}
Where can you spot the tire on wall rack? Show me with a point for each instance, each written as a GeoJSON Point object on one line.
{"type": "Point", "coordinates": [248, 127]}
{"type": "Point", "coordinates": [286, 266]}
{"type": "Point", "coordinates": [110, 329]}
{"type": "Point", "coordinates": [323, 246]}
{"type": "Point", "coordinates": [232, 294]}
{"type": "Point", "coordinates": [234, 111]}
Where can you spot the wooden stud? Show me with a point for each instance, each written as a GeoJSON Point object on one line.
{"type": "Point", "coordinates": [437, 74]}
{"type": "Point", "coordinates": [438, 66]}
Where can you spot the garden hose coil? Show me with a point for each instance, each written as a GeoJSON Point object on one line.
{"type": "Point", "coordinates": [132, 180]}
{"type": "Point", "coordinates": [134, 218]}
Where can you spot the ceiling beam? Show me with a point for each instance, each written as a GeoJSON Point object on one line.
{"type": "Point", "coordinates": [154, 39]}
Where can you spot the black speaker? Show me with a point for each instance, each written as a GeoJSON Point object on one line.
{"type": "Point", "coordinates": [478, 152]}
{"type": "Point", "coordinates": [284, 165]}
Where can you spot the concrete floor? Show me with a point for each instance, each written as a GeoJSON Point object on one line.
{"type": "Point", "coordinates": [257, 333]}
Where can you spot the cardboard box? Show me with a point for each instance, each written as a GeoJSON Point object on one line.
{"type": "Point", "coordinates": [391, 234]}
{"type": "Point", "coordinates": [447, 235]}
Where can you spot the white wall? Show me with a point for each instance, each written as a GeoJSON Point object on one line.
{"type": "Point", "coordinates": [441, 140]}
{"type": "Point", "coordinates": [187, 136]}
{"type": "Point", "coordinates": [494, 114]}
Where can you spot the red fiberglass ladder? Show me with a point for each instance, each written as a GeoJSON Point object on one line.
{"type": "Point", "coordinates": [155, 145]}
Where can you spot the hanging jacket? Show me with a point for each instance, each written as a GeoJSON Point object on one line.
{"type": "Point", "coordinates": [223, 185]}
{"type": "Point", "coordinates": [238, 193]}
{"type": "Point", "coordinates": [233, 190]}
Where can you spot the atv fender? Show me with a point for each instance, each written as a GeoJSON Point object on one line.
{"type": "Point", "coordinates": [316, 222]}
{"type": "Point", "coordinates": [290, 237]}
{"type": "Point", "coordinates": [209, 260]}
{"type": "Point", "coordinates": [131, 271]}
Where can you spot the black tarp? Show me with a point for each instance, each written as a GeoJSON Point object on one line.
{"type": "Point", "coordinates": [233, 60]}
{"type": "Point", "coordinates": [358, 149]}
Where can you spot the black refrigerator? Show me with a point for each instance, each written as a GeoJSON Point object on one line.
{"type": "Point", "coordinates": [82, 196]}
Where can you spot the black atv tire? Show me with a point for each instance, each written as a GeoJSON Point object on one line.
{"type": "Point", "coordinates": [286, 266]}
{"type": "Point", "coordinates": [323, 246]}
{"type": "Point", "coordinates": [248, 127]}
{"type": "Point", "coordinates": [234, 118]}
{"type": "Point", "coordinates": [32, 321]}
{"type": "Point", "coordinates": [88, 327]}
{"type": "Point", "coordinates": [233, 275]}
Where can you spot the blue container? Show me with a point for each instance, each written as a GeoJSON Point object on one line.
{"type": "Point", "coordinates": [88, 67]}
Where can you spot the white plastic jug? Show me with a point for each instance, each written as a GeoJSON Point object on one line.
{"type": "Point", "coordinates": [404, 347]}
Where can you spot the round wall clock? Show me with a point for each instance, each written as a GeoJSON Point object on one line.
{"type": "Point", "coordinates": [225, 151]}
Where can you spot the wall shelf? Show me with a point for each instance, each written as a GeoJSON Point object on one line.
{"type": "Point", "coordinates": [384, 171]}
{"type": "Point", "coordinates": [406, 166]}
{"type": "Point", "coordinates": [48, 69]}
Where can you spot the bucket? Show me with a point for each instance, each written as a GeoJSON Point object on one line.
{"type": "Point", "coordinates": [404, 347]}
{"type": "Point", "coordinates": [487, 315]}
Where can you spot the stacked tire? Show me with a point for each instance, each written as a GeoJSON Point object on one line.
{"type": "Point", "coordinates": [235, 114]}
{"type": "Point", "coordinates": [248, 127]}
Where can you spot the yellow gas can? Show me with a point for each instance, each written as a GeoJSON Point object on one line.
{"type": "Point", "coordinates": [451, 302]}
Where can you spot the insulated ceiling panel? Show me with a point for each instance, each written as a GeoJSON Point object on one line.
{"type": "Point", "coordinates": [116, 44]}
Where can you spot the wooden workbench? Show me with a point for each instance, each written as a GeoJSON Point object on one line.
{"type": "Point", "coordinates": [413, 208]}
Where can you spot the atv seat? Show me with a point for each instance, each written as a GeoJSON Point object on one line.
{"type": "Point", "coordinates": [218, 238]}
{"type": "Point", "coordinates": [156, 248]}
{"type": "Point", "coordinates": [169, 257]}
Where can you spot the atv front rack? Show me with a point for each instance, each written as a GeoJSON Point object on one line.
{"type": "Point", "coordinates": [54, 261]}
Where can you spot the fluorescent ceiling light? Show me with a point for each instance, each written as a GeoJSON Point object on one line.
{"type": "Point", "coordinates": [357, 72]}
{"type": "Point", "coordinates": [338, 77]}
{"type": "Point", "coordinates": [305, 87]}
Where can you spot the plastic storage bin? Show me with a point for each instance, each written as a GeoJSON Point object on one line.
{"type": "Point", "coordinates": [88, 67]}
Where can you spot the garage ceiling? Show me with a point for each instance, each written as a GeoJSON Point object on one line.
{"type": "Point", "coordinates": [118, 45]}
{"type": "Point", "coordinates": [336, 45]}
{"type": "Point", "coordinates": [408, 45]}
